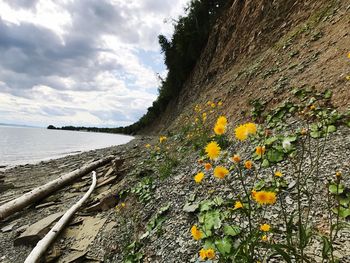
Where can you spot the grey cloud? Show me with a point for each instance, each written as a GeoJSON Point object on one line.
{"type": "Point", "coordinates": [27, 4]}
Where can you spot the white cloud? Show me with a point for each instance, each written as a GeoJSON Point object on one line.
{"type": "Point", "coordinates": [81, 62]}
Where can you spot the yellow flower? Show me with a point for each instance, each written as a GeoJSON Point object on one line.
{"type": "Point", "coordinates": [260, 150]}
{"type": "Point", "coordinates": [264, 197]}
{"type": "Point", "coordinates": [243, 131]}
{"type": "Point", "coordinates": [220, 103]}
{"type": "Point", "coordinates": [199, 177]}
{"type": "Point", "coordinates": [196, 120]}
{"type": "Point", "coordinates": [312, 107]}
{"type": "Point", "coordinates": [222, 120]}
{"type": "Point", "coordinates": [209, 103]}
{"type": "Point", "coordinates": [123, 204]}
{"type": "Point", "coordinates": [196, 233]}
{"type": "Point", "coordinates": [162, 139]}
{"type": "Point", "coordinates": [207, 166]}
{"type": "Point", "coordinates": [349, 55]}
{"type": "Point", "coordinates": [220, 172]}
{"type": "Point", "coordinates": [147, 145]}
{"type": "Point", "coordinates": [204, 116]}
{"type": "Point", "coordinates": [347, 77]}
{"type": "Point", "coordinates": [203, 254]}
{"type": "Point", "coordinates": [303, 131]}
{"type": "Point", "coordinates": [213, 150]}
{"type": "Point", "coordinates": [264, 238]}
{"type": "Point", "coordinates": [236, 158]}
{"type": "Point", "coordinates": [248, 164]}
{"type": "Point", "coordinates": [238, 205]}
{"type": "Point", "coordinates": [219, 129]}
{"type": "Point", "coordinates": [210, 253]}
{"type": "Point", "coordinates": [278, 174]}
{"type": "Point", "coordinates": [197, 108]}
{"type": "Point", "coordinates": [265, 227]}
{"type": "Point", "coordinates": [338, 174]}
{"type": "Point", "coordinates": [212, 105]}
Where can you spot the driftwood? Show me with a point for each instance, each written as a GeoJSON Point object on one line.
{"type": "Point", "coordinates": [44, 244]}
{"type": "Point", "coordinates": [40, 192]}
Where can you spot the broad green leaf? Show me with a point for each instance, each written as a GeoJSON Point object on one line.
{"type": "Point", "coordinates": [265, 163]}
{"type": "Point", "coordinates": [343, 212]}
{"type": "Point", "coordinates": [327, 94]}
{"type": "Point", "coordinates": [218, 201]}
{"type": "Point", "coordinates": [333, 189]}
{"type": "Point", "coordinates": [211, 219]}
{"type": "Point", "coordinates": [206, 205]}
{"type": "Point", "coordinates": [271, 140]}
{"type": "Point", "coordinates": [232, 230]}
{"type": "Point", "coordinates": [259, 185]}
{"type": "Point", "coordinates": [331, 128]}
{"type": "Point", "coordinates": [315, 134]}
{"type": "Point", "coordinates": [275, 156]}
{"type": "Point", "coordinates": [224, 245]}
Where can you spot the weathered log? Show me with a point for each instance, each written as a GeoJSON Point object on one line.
{"type": "Point", "coordinates": [40, 192]}
{"type": "Point", "coordinates": [44, 244]}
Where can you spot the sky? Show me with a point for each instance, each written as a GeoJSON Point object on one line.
{"type": "Point", "coordinates": [81, 62]}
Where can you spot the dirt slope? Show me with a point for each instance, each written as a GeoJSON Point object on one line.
{"type": "Point", "coordinates": [261, 49]}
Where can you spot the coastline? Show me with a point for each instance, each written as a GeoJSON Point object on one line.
{"type": "Point", "coordinates": [19, 179]}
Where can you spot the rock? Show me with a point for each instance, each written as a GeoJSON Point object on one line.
{"type": "Point", "coordinates": [45, 205]}
{"type": "Point", "coordinates": [107, 181]}
{"type": "Point", "coordinates": [8, 227]}
{"type": "Point", "coordinates": [72, 257]}
{"type": "Point", "coordinates": [190, 208]}
{"type": "Point", "coordinates": [37, 231]}
{"type": "Point", "coordinates": [87, 232]}
{"type": "Point", "coordinates": [109, 172]}
{"type": "Point", "coordinates": [105, 203]}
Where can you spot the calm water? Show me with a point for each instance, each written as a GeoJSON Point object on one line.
{"type": "Point", "coordinates": [28, 145]}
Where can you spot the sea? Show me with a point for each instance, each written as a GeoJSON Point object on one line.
{"type": "Point", "coordinates": [23, 145]}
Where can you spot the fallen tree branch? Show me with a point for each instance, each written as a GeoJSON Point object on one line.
{"type": "Point", "coordinates": [40, 192]}
{"type": "Point", "coordinates": [44, 243]}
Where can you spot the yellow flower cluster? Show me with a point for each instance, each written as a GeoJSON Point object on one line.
{"type": "Point", "coordinates": [162, 139]}
{"type": "Point", "coordinates": [243, 131]}
{"type": "Point", "coordinates": [238, 205]}
{"type": "Point", "coordinates": [207, 253]}
{"type": "Point", "coordinates": [265, 227]}
{"type": "Point", "coordinates": [220, 172]}
{"type": "Point", "coordinates": [199, 177]}
{"type": "Point", "coordinates": [220, 126]}
{"type": "Point", "coordinates": [264, 197]}
{"type": "Point", "coordinates": [196, 233]}
{"type": "Point", "coordinates": [213, 150]}
{"type": "Point", "coordinates": [260, 150]}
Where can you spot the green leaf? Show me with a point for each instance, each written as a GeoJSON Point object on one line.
{"type": "Point", "coordinates": [275, 156]}
{"type": "Point", "coordinates": [232, 230]}
{"type": "Point", "coordinates": [224, 245]}
{"type": "Point", "coordinates": [265, 163]}
{"type": "Point", "coordinates": [218, 201]}
{"type": "Point", "coordinates": [326, 247]}
{"type": "Point", "coordinates": [315, 134]}
{"type": "Point", "coordinates": [206, 205]}
{"type": "Point", "coordinates": [259, 185]}
{"type": "Point", "coordinates": [343, 212]}
{"type": "Point", "coordinates": [345, 201]}
{"type": "Point", "coordinates": [271, 140]}
{"type": "Point", "coordinates": [331, 128]}
{"type": "Point", "coordinates": [327, 94]}
{"type": "Point", "coordinates": [333, 189]}
{"type": "Point", "coordinates": [211, 220]}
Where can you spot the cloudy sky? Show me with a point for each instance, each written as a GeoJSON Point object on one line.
{"type": "Point", "coordinates": [81, 62]}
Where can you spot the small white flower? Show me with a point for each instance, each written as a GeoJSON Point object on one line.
{"type": "Point", "coordinates": [286, 145]}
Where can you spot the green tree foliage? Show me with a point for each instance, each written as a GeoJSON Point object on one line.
{"type": "Point", "coordinates": [181, 54]}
